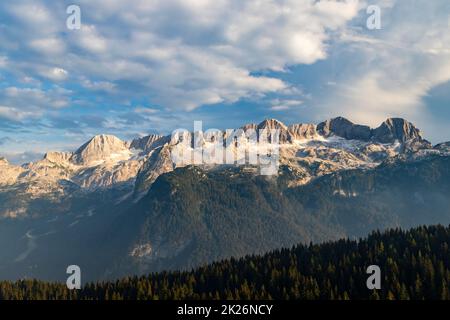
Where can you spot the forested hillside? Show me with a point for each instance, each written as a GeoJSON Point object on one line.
{"type": "Point", "coordinates": [191, 216]}
{"type": "Point", "coordinates": [415, 264]}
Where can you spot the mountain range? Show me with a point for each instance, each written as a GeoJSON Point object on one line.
{"type": "Point", "coordinates": [118, 207]}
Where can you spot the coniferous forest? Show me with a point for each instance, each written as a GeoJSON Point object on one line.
{"type": "Point", "coordinates": [414, 264]}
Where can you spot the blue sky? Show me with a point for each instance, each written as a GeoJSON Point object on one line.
{"type": "Point", "coordinates": [138, 67]}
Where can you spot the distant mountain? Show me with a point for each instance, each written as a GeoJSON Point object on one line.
{"type": "Point", "coordinates": [391, 130]}
{"type": "Point", "coordinates": [120, 208]}
{"type": "Point", "coordinates": [100, 148]}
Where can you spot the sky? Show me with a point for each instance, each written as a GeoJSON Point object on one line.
{"type": "Point", "coordinates": [152, 66]}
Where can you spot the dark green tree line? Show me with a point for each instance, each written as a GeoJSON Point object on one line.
{"type": "Point", "coordinates": [415, 264]}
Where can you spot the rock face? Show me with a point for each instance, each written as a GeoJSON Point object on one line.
{"type": "Point", "coordinates": [294, 132]}
{"type": "Point", "coordinates": [396, 129]}
{"type": "Point", "coordinates": [8, 173]}
{"type": "Point", "coordinates": [416, 144]}
{"type": "Point", "coordinates": [58, 157]}
{"type": "Point", "coordinates": [149, 142]}
{"type": "Point", "coordinates": [109, 175]}
{"type": "Point", "coordinates": [445, 146]}
{"type": "Point", "coordinates": [390, 131]}
{"type": "Point", "coordinates": [158, 163]}
{"type": "Point", "coordinates": [3, 162]}
{"type": "Point", "coordinates": [344, 128]}
{"type": "Point", "coordinates": [272, 124]}
{"type": "Point", "coordinates": [302, 131]}
{"type": "Point", "coordinates": [250, 126]}
{"type": "Point", "coordinates": [99, 148]}
{"type": "Point", "coordinates": [289, 134]}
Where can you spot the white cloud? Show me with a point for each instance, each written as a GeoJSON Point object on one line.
{"type": "Point", "coordinates": [48, 46]}
{"type": "Point", "coordinates": [27, 102]}
{"type": "Point", "coordinates": [145, 110]}
{"type": "Point", "coordinates": [14, 114]}
{"type": "Point", "coordinates": [369, 100]}
{"type": "Point", "coordinates": [55, 74]}
{"type": "Point", "coordinates": [90, 40]}
{"type": "Point", "coordinates": [183, 54]}
{"type": "Point", "coordinates": [34, 14]}
{"type": "Point", "coordinates": [286, 104]}
{"type": "Point", "coordinates": [98, 85]}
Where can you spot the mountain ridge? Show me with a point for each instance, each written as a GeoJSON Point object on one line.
{"type": "Point", "coordinates": [388, 132]}
{"type": "Point", "coordinates": [334, 126]}
{"type": "Point", "coordinates": [105, 161]}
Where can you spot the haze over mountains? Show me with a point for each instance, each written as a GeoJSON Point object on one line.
{"type": "Point", "coordinates": [118, 208]}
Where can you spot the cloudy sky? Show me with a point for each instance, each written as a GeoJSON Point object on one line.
{"type": "Point", "coordinates": [151, 66]}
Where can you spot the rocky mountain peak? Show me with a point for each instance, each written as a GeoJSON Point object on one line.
{"type": "Point", "coordinates": [99, 148]}
{"type": "Point", "coordinates": [396, 129]}
{"type": "Point", "coordinates": [344, 128]}
{"type": "Point", "coordinates": [3, 162]}
{"type": "Point", "coordinates": [389, 131]}
{"type": "Point", "coordinates": [302, 131]}
{"type": "Point", "coordinates": [249, 126]}
{"type": "Point", "coordinates": [444, 146]}
{"type": "Point", "coordinates": [271, 124]}
{"type": "Point", "coordinates": [58, 157]}
{"type": "Point", "coordinates": [148, 142]}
